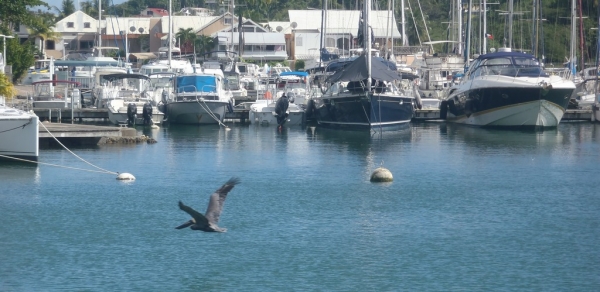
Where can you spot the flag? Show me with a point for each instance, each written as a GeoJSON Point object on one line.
{"type": "Point", "coordinates": [489, 36]}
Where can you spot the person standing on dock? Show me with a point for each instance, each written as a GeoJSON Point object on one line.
{"type": "Point", "coordinates": [73, 74]}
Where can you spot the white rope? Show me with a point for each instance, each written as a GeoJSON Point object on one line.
{"type": "Point", "coordinates": [206, 108]}
{"type": "Point", "coordinates": [43, 163]}
{"type": "Point", "coordinates": [61, 144]}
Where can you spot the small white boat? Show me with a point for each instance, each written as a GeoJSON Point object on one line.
{"type": "Point", "coordinates": [200, 98]}
{"type": "Point", "coordinates": [19, 136]}
{"type": "Point", "coordinates": [262, 112]}
{"type": "Point", "coordinates": [130, 101]}
{"type": "Point", "coordinates": [56, 94]}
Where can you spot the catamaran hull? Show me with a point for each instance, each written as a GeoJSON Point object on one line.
{"type": "Point", "coordinates": [196, 112]}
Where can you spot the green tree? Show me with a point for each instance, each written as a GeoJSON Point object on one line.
{"type": "Point", "coordinates": [204, 44]}
{"type": "Point", "coordinates": [68, 8]}
{"type": "Point", "coordinates": [187, 37]}
{"type": "Point", "coordinates": [299, 65]}
{"type": "Point", "coordinates": [14, 12]}
{"type": "Point", "coordinates": [20, 57]}
{"type": "Point", "coordinates": [43, 28]}
{"type": "Point", "coordinates": [7, 89]}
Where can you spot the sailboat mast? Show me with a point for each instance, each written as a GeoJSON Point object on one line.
{"type": "Point", "coordinates": [99, 28]}
{"type": "Point", "coordinates": [573, 36]}
{"type": "Point", "coordinates": [581, 38]}
{"type": "Point", "coordinates": [367, 44]}
{"type": "Point", "coordinates": [404, 39]}
{"type": "Point", "coordinates": [468, 37]}
{"type": "Point", "coordinates": [510, 23]}
{"type": "Point", "coordinates": [169, 35]}
{"type": "Point", "coordinates": [460, 34]}
{"type": "Point", "coordinates": [484, 49]}
{"type": "Point", "coordinates": [232, 17]}
{"type": "Point", "coordinates": [323, 20]}
{"type": "Point", "coordinates": [388, 31]}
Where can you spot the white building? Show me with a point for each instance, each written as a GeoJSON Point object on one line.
{"type": "Point", "coordinates": [340, 28]}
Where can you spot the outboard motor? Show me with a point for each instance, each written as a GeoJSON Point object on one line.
{"type": "Point", "coordinates": [281, 110]}
{"type": "Point", "coordinates": [147, 113]}
{"type": "Point", "coordinates": [131, 114]}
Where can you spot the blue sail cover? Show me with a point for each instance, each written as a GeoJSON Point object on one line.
{"type": "Point", "coordinates": [197, 83]}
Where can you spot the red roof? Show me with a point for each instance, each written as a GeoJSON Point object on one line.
{"type": "Point", "coordinates": [157, 11]}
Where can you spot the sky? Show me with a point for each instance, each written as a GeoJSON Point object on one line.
{"type": "Point", "coordinates": [58, 3]}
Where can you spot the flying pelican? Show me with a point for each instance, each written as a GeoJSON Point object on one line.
{"type": "Point", "coordinates": [208, 222]}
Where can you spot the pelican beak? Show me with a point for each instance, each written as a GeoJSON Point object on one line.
{"type": "Point", "coordinates": [186, 224]}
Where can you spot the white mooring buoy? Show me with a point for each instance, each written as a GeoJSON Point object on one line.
{"type": "Point", "coordinates": [125, 176]}
{"type": "Point", "coordinates": [381, 175]}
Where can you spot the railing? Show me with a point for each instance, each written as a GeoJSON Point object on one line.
{"type": "Point", "coordinates": [509, 71]}
{"type": "Point", "coordinates": [210, 94]}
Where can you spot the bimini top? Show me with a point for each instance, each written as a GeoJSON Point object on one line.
{"type": "Point", "coordinates": [117, 76]}
{"type": "Point", "coordinates": [294, 73]}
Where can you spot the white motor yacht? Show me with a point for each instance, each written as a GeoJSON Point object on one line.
{"type": "Point", "coordinates": [19, 133]}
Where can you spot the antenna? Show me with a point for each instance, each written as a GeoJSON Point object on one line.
{"type": "Point", "coordinates": [279, 28]}
{"type": "Point", "coordinates": [294, 24]}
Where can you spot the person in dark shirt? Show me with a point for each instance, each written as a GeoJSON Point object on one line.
{"type": "Point", "coordinates": [281, 110]}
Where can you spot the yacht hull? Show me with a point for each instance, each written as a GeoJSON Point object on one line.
{"type": "Point", "coordinates": [509, 107]}
{"type": "Point", "coordinates": [196, 112]}
{"type": "Point", "coordinates": [19, 134]}
{"type": "Point", "coordinates": [364, 111]}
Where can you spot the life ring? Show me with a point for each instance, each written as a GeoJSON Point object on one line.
{"type": "Point", "coordinates": [268, 95]}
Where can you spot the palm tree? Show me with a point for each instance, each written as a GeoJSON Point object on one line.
{"type": "Point", "coordinates": [187, 37]}
{"type": "Point", "coordinates": [43, 29]}
{"type": "Point", "coordinates": [204, 44]}
{"type": "Point", "coordinates": [68, 7]}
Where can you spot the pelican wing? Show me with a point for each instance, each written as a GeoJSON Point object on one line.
{"type": "Point", "coordinates": [199, 218]}
{"type": "Point", "coordinates": [217, 199]}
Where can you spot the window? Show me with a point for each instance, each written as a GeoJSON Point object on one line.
{"type": "Point", "coordinates": [222, 47]}
{"type": "Point", "coordinates": [247, 48]}
{"type": "Point", "coordinates": [298, 41]}
{"type": "Point", "coordinates": [50, 45]}
{"type": "Point", "coordinates": [227, 20]}
{"type": "Point", "coordinates": [149, 13]}
{"type": "Point", "coordinates": [86, 25]}
{"type": "Point", "coordinates": [86, 44]}
{"type": "Point", "coordinates": [70, 24]}
{"type": "Point", "coordinates": [247, 28]}
{"type": "Point", "coordinates": [270, 48]}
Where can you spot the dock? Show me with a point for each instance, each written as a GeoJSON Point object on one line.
{"type": "Point", "coordinates": [63, 115]}
{"type": "Point", "coordinates": [78, 134]}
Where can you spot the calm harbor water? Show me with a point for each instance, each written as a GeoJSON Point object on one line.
{"type": "Point", "coordinates": [469, 209]}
